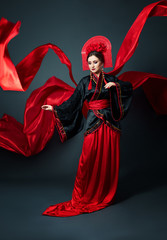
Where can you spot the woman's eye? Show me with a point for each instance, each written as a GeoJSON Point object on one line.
{"type": "Point", "coordinates": [95, 62]}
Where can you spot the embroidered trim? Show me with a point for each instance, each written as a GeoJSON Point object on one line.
{"type": "Point", "coordinates": [96, 126]}
{"type": "Point", "coordinates": [118, 89]}
{"type": "Point", "coordinates": [59, 127]}
{"type": "Point", "coordinates": [98, 88]}
{"type": "Point", "coordinates": [96, 95]}
{"type": "Point", "coordinates": [112, 126]}
{"type": "Point", "coordinates": [98, 114]}
{"type": "Point", "coordinates": [119, 98]}
{"type": "Point", "coordinates": [94, 80]}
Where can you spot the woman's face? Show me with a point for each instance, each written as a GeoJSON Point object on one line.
{"type": "Point", "coordinates": [95, 65]}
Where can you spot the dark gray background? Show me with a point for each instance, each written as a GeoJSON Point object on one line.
{"type": "Point", "coordinates": [29, 185]}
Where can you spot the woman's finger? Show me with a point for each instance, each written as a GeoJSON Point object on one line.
{"type": "Point", "coordinates": [44, 107]}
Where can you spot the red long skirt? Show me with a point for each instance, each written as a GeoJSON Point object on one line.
{"type": "Point", "coordinates": [97, 175]}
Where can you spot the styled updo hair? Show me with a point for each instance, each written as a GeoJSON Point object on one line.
{"type": "Point", "coordinates": [99, 55]}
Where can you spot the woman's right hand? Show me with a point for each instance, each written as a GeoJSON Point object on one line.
{"type": "Point", "coordinates": [47, 107]}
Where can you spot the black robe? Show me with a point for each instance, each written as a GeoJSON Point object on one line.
{"type": "Point", "coordinates": [69, 116]}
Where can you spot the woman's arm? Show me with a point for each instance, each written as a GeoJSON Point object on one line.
{"type": "Point", "coordinates": [68, 115]}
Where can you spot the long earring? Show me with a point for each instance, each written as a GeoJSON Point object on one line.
{"type": "Point", "coordinates": [102, 72]}
{"type": "Point", "coordinates": [103, 78]}
{"type": "Point", "coordinates": [90, 83]}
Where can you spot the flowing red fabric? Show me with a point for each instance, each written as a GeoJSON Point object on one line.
{"type": "Point", "coordinates": [20, 77]}
{"type": "Point", "coordinates": [131, 39]}
{"type": "Point", "coordinates": [97, 175]}
{"type": "Point", "coordinates": [30, 138]}
{"type": "Point", "coordinates": [154, 86]}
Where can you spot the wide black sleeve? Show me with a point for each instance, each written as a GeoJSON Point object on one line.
{"type": "Point", "coordinates": [68, 115]}
{"type": "Point", "coordinates": [120, 98]}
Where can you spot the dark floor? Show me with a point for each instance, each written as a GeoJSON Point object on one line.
{"type": "Point", "coordinates": [141, 215]}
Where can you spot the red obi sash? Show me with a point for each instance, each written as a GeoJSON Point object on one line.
{"type": "Point", "coordinates": [99, 104]}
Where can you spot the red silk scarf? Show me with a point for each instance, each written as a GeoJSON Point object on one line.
{"type": "Point", "coordinates": [31, 137]}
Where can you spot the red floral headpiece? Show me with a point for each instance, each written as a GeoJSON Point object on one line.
{"type": "Point", "coordinates": [98, 47]}
{"type": "Point", "coordinates": [99, 44]}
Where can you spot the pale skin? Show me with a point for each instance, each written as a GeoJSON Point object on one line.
{"type": "Point", "coordinates": [95, 66]}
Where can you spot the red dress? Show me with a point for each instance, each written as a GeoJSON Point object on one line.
{"type": "Point", "coordinates": [97, 175]}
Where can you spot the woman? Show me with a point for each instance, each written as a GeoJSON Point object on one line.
{"type": "Point", "coordinates": [108, 100]}
{"type": "Point", "coordinates": [97, 174]}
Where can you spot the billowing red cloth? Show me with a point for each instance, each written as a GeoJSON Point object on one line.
{"type": "Point", "coordinates": [30, 138]}
{"type": "Point", "coordinates": [97, 175]}
{"type": "Point", "coordinates": [20, 77]}
{"type": "Point", "coordinates": [154, 86]}
{"type": "Point", "coordinates": [38, 128]}
{"type": "Point", "coordinates": [131, 39]}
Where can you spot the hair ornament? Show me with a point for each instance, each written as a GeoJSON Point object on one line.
{"type": "Point", "coordinates": [99, 44]}
{"type": "Point", "coordinates": [98, 47]}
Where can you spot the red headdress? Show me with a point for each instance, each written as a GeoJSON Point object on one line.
{"type": "Point", "coordinates": [99, 44]}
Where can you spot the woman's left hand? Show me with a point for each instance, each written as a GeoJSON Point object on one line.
{"type": "Point", "coordinates": [110, 84]}
{"type": "Point", "coordinates": [47, 107]}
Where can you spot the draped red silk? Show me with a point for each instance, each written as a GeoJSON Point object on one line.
{"type": "Point", "coordinates": [31, 137]}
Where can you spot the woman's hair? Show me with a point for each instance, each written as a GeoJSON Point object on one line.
{"type": "Point", "coordinates": [99, 55]}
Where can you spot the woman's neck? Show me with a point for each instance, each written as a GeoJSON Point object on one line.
{"type": "Point", "coordinates": [98, 74]}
